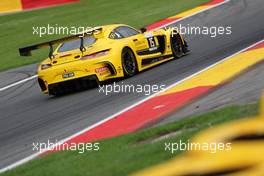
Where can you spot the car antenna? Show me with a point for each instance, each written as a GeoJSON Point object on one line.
{"type": "Point", "coordinates": [51, 56]}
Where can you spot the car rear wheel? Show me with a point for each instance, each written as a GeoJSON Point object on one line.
{"type": "Point", "coordinates": [177, 46]}
{"type": "Point", "coordinates": [128, 62]}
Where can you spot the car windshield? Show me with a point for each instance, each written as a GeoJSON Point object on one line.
{"type": "Point", "coordinates": [75, 44]}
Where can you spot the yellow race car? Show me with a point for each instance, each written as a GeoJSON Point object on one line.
{"type": "Point", "coordinates": [112, 51]}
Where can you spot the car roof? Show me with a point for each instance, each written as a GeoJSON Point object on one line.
{"type": "Point", "coordinates": [107, 29]}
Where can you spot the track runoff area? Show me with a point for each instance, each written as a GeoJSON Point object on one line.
{"type": "Point", "coordinates": [244, 136]}
{"type": "Point", "coordinates": [159, 104]}
{"type": "Point", "coordinates": [7, 6]}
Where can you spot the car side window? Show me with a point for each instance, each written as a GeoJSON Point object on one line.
{"type": "Point", "coordinates": [115, 35]}
{"type": "Point", "coordinates": [132, 31]}
{"type": "Point", "coordinates": [123, 31]}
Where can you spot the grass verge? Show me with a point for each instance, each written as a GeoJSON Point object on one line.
{"type": "Point", "coordinates": [16, 30]}
{"type": "Point", "coordinates": [129, 153]}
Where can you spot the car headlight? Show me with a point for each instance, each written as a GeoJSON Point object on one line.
{"type": "Point", "coordinates": [45, 66]}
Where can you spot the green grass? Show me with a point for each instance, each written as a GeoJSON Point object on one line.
{"type": "Point", "coordinates": [16, 29]}
{"type": "Point", "coordinates": [129, 153]}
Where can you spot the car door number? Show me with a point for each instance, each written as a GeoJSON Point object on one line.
{"type": "Point", "coordinates": [152, 43]}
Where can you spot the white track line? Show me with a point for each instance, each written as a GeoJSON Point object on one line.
{"type": "Point", "coordinates": [180, 19]}
{"type": "Point", "coordinates": [20, 162]}
{"type": "Point", "coordinates": [19, 82]}
{"type": "Point", "coordinates": [35, 76]}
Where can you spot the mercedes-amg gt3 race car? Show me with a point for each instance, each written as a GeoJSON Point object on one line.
{"type": "Point", "coordinates": [102, 53]}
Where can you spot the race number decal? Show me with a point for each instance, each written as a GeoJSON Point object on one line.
{"type": "Point", "coordinates": [152, 42]}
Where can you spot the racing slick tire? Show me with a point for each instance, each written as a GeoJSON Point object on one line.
{"type": "Point", "coordinates": [177, 46]}
{"type": "Point", "coordinates": [129, 62]}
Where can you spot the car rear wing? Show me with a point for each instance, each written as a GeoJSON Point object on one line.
{"type": "Point", "coordinates": [26, 51]}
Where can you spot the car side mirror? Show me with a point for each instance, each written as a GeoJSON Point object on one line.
{"type": "Point", "coordinates": [143, 30]}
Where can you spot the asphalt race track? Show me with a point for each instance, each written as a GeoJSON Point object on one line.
{"type": "Point", "coordinates": [27, 116]}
